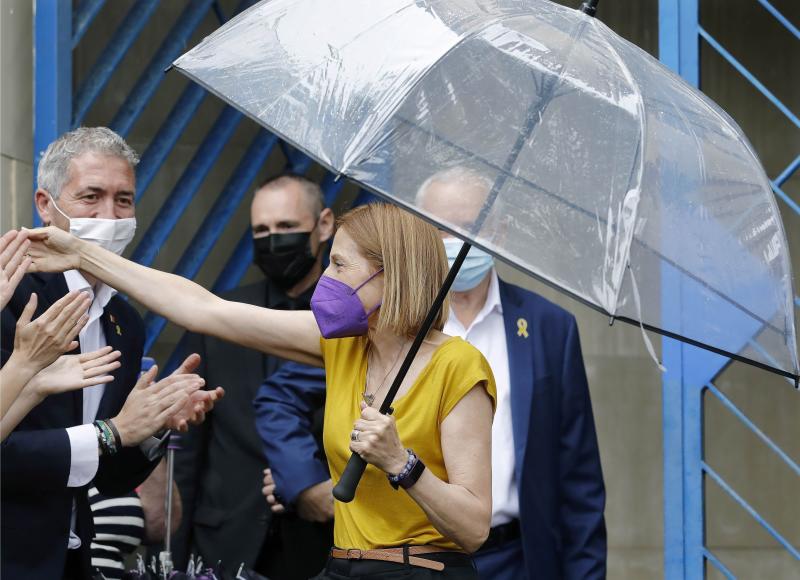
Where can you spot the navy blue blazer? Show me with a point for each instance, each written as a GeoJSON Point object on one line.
{"type": "Point", "coordinates": [36, 503]}
{"type": "Point", "coordinates": [559, 477]}
{"type": "Point", "coordinates": [284, 406]}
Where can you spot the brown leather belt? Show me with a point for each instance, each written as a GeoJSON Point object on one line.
{"type": "Point", "coordinates": [397, 555]}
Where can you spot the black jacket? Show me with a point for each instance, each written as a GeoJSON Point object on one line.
{"type": "Point", "coordinates": [35, 458]}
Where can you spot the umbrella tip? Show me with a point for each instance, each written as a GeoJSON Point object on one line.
{"type": "Point", "coordinates": [589, 7]}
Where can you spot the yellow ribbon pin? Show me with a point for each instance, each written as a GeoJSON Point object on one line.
{"type": "Point", "coordinates": [522, 327]}
{"type": "Point", "coordinates": [119, 330]}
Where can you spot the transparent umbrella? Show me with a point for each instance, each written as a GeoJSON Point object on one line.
{"type": "Point", "coordinates": [604, 174]}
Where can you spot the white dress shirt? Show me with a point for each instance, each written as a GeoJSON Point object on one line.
{"type": "Point", "coordinates": [487, 334]}
{"type": "Point", "coordinates": [84, 456]}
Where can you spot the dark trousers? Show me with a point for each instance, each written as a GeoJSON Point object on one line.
{"type": "Point", "coordinates": [503, 562]}
{"type": "Point", "coordinates": [75, 566]}
{"type": "Point", "coordinates": [457, 567]}
{"type": "Point", "coordinates": [294, 549]}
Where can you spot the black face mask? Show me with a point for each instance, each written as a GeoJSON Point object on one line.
{"type": "Point", "coordinates": [284, 258]}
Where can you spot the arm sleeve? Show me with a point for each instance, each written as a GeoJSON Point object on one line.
{"type": "Point", "coordinates": [465, 368]}
{"type": "Point", "coordinates": [35, 461]}
{"type": "Point", "coordinates": [582, 489]}
{"type": "Point", "coordinates": [84, 457]}
{"type": "Point", "coordinates": [121, 473]}
{"type": "Point", "coordinates": [284, 408]}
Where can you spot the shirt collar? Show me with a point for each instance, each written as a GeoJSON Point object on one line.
{"type": "Point", "coordinates": [492, 304]}
{"type": "Point", "coordinates": [101, 294]}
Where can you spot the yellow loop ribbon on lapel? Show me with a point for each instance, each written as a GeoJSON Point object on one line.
{"type": "Point", "coordinates": [522, 327]}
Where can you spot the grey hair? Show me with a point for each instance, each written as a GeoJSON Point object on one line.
{"type": "Point", "coordinates": [458, 174]}
{"type": "Point", "coordinates": [54, 168]}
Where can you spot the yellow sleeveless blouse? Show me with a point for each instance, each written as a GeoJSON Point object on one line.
{"type": "Point", "coordinates": [381, 516]}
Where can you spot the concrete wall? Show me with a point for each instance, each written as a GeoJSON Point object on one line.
{"type": "Point", "coordinates": [16, 110]}
{"type": "Point", "coordinates": [625, 384]}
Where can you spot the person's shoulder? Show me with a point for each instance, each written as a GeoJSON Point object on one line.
{"type": "Point", "coordinates": [461, 356]}
{"type": "Point", "coordinates": [535, 305]}
{"type": "Point", "coordinates": [461, 366]}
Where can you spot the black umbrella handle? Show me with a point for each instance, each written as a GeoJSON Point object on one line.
{"type": "Point", "coordinates": [345, 489]}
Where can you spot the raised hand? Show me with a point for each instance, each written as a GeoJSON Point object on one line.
{"type": "Point", "coordinates": [40, 342]}
{"type": "Point", "coordinates": [76, 371]}
{"type": "Point", "coordinates": [53, 250]}
{"type": "Point", "coordinates": [13, 263]}
{"type": "Point", "coordinates": [150, 404]}
{"type": "Point", "coordinates": [199, 403]}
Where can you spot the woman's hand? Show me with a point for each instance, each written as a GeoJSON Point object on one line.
{"type": "Point", "coordinates": [149, 405]}
{"type": "Point", "coordinates": [75, 371]}
{"type": "Point", "coordinates": [13, 263]}
{"type": "Point", "coordinates": [53, 250]}
{"type": "Point", "coordinates": [375, 439]}
{"type": "Point", "coordinates": [40, 342]}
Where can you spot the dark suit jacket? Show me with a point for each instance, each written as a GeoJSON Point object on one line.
{"type": "Point", "coordinates": [220, 466]}
{"type": "Point", "coordinates": [35, 458]}
{"type": "Point", "coordinates": [559, 478]}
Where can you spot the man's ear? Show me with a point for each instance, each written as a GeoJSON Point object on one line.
{"type": "Point", "coordinates": [327, 222]}
{"type": "Point", "coordinates": [43, 204]}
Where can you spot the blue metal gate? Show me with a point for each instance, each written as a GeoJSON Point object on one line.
{"type": "Point", "coordinates": [689, 382]}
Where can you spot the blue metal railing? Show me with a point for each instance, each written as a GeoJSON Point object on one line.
{"type": "Point", "coordinates": [174, 42]}
{"type": "Point", "coordinates": [685, 466]}
{"type": "Point", "coordinates": [108, 61]}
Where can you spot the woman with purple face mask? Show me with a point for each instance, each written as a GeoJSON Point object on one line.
{"type": "Point", "coordinates": [386, 267]}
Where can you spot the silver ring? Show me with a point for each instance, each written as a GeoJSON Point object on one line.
{"type": "Point", "coordinates": [354, 435]}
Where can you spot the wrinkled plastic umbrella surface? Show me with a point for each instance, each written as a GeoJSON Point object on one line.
{"type": "Point", "coordinates": [580, 158]}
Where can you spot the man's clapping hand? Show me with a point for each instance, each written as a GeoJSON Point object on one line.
{"type": "Point", "coordinates": [150, 405]}
{"type": "Point", "coordinates": [199, 403]}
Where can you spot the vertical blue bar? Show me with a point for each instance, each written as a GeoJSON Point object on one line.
{"type": "Point", "coordinates": [684, 528]}
{"type": "Point", "coordinates": [52, 84]}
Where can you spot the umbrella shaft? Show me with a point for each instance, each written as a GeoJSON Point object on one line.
{"type": "Point", "coordinates": [168, 501]}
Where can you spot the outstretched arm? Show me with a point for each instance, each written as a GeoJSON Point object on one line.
{"type": "Point", "coordinates": [289, 334]}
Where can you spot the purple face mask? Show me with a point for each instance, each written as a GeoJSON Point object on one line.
{"type": "Point", "coordinates": [338, 309]}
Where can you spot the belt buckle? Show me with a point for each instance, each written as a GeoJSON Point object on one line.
{"type": "Point", "coordinates": [354, 554]}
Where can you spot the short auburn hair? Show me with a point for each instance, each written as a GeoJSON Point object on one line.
{"type": "Point", "coordinates": [413, 259]}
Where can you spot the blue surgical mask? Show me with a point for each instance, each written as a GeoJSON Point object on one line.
{"type": "Point", "coordinates": [474, 268]}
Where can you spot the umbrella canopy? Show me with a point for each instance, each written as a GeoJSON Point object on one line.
{"type": "Point", "coordinates": [602, 173]}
